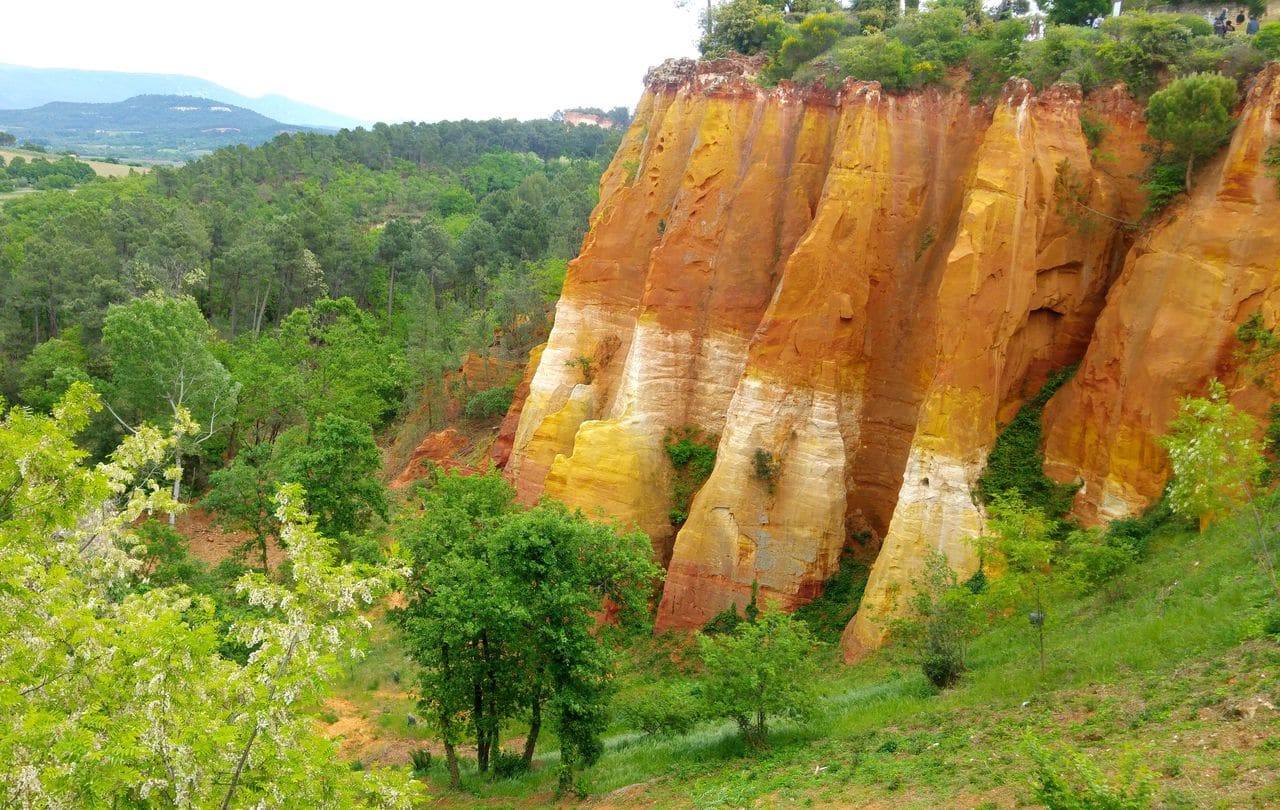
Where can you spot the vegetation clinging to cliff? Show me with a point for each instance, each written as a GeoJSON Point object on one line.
{"type": "Point", "coordinates": [874, 42]}
{"type": "Point", "coordinates": [693, 456]}
{"type": "Point", "coordinates": [1272, 162]}
{"type": "Point", "coordinates": [1016, 462]}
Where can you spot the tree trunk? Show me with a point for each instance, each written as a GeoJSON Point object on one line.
{"type": "Point", "coordinates": [482, 733]}
{"type": "Point", "coordinates": [1191, 160]}
{"type": "Point", "coordinates": [446, 729]}
{"type": "Point", "coordinates": [177, 484]}
{"type": "Point", "coordinates": [451, 761]}
{"type": "Point", "coordinates": [535, 724]}
{"type": "Point", "coordinates": [494, 725]}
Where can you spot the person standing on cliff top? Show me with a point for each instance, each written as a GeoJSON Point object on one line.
{"type": "Point", "coordinates": [1252, 28]}
{"type": "Point", "coordinates": [1097, 22]}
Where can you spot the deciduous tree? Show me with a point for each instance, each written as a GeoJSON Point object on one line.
{"type": "Point", "coordinates": [764, 669]}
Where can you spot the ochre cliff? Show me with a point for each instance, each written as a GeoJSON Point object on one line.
{"type": "Point", "coordinates": [1170, 322]}
{"type": "Point", "coordinates": [864, 286]}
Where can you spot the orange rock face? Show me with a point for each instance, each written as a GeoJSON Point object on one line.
{"type": "Point", "coordinates": [1170, 321]}
{"type": "Point", "coordinates": [440, 449]}
{"type": "Point", "coordinates": [500, 453]}
{"type": "Point", "coordinates": [856, 287]}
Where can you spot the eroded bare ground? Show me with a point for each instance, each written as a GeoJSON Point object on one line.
{"type": "Point", "coordinates": [212, 544]}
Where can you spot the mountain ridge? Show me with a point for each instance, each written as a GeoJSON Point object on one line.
{"type": "Point", "coordinates": [24, 87]}
{"type": "Point", "coordinates": [142, 126]}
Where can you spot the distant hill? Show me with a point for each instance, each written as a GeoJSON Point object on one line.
{"type": "Point", "coordinates": [24, 87]}
{"type": "Point", "coordinates": [168, 126]}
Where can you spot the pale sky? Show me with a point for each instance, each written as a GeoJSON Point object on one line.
{"type": "Point", "coordinates": [372, 59]}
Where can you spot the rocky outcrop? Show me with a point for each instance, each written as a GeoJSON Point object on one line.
{"type": "Point", "coordinates": [500, 453]}
{"type": "Point", "coordinates": [852, 290]}
{"type": "Point", "coordinates": [440, 449]}
{"type": "Point", "coordinates": [1170, 322]}
{"type": "Point", "coordinates": [1024, 279]}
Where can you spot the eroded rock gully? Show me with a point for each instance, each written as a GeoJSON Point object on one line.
{"type": "Point", "coordinates": [865, 286]}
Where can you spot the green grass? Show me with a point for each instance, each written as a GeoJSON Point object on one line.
{"type": "Point", "coordinates": [1160, 669]}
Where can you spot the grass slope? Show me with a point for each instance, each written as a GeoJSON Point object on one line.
{"type": "Point", "coordinates": [1167, 672]}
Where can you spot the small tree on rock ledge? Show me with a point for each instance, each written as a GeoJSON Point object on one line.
{"type": "Point", "coordinates": [1193, 116]}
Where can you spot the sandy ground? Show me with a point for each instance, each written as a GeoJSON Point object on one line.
{"type": "Point", "coordinates": [213, 545]}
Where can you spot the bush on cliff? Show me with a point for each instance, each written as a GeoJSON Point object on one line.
{"type": "Point", "coordinates": [741, 26]}
{"type": "Point", "coordinates": [693, 456]}
{"type": "Point", "coordinates": [918, 48]}
{"type": "Point", "coordinates": [1016, 462]}
{"type": "Point", "coordinates": [491, 403]}
{"type": "Point", "coordinates": [1192, 117]}
{"type": "Point", "coordinates": [842, 592]}
{"type": "Point", "coordinates": [1267, 40]}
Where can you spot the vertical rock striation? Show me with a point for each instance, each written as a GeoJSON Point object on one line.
{"type": "Point", "coordinates": [1025, 277]}
{"type": "Point", "coordinates": [1170, 321]}
{"type": "Point", "coordinates": [856, 289]}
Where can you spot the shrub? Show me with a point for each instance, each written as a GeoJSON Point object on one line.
{"type": "Point", "coordinates": [1272, 158]}
{"type": "Point", "coordinates": [1069, 781]}
{"type": "Point", "coordinates": [1164, 182]}
{"type": "Point", "coordinates": [584, 363]}
{"type": "Point", "coordinates": [763, 670]}
{"type": "Point", "coordinates": [937, 35]}
{"type": "Point", "coordinates": [50, 181]}
{"type": "Point", "coordinates": [1075, 12]}
{"type": "Point", "coordinates": [660, 709]}
{"type": "Point", "coordinates": [167, 560]}
{"type": "Point", "coordinates": [1095, 557]}
{"type": "Point", "coordinates": [995, 56]}
{"type": "Point", "coordinates": [726, 621]}
{"type": "Point", "coordinates": [878, 58]}
{"type": "Point", "coordinates": [1065, 53]}
{"type": "Point", "coordinates": [841, 593]}
{"type": "Point", "coordinates": [940, 621]}
{"type": "Point", "coordinates": [1094, 129]}
{"type": "Point", "coordinates": [1267, 40]}
{"type": "Point", "coordinates": [693, 456]}
{"type": "Point", "coordinates": [1238, 61]}
{"type": "Point", "coordinates": [1271, 622]}
{"type": "Point", "coordinates": [764, 468]}
{"type": "Point", "coordinates": [420, 759]}
{"type": "Point", "coordinates": [491, 403]}
{"type": "Point", "coordinates": [741, 26]}
{"type": "Point", "coordinates": [814, 36]}
{"type": "Point", "coordinates": [508, 764]}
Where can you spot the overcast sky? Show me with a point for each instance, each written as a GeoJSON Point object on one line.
{"type": "Point", "coordinates": [372, 59]}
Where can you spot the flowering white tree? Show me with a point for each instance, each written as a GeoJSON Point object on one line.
{"type": "Point", "coordinates": [111, 697]}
